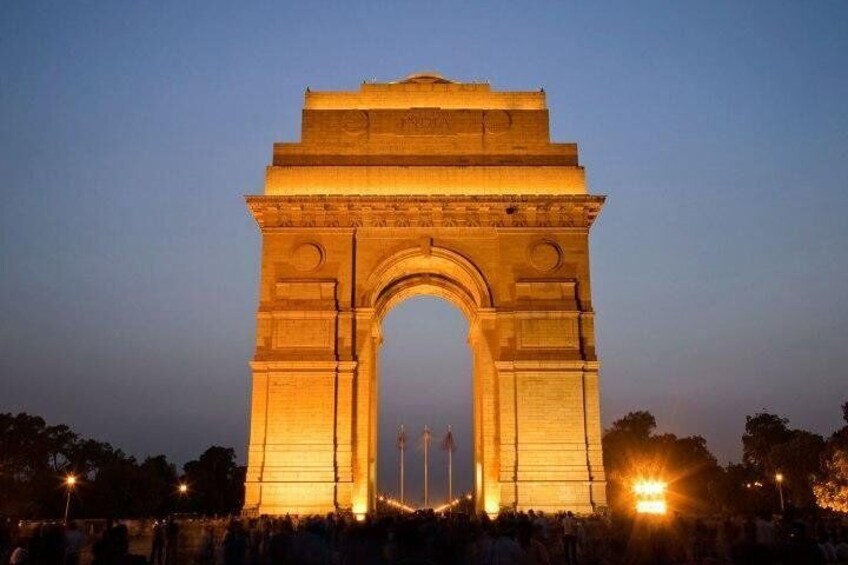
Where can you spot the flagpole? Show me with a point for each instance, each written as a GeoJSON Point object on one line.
{"type": "Point", "coordinates": [449, 445]}
{"type": "Point", "coordinates": [402, 445]}
{"type": "Point", "coordinates": [450, 468]}
{"type": "Point", "coordinates": [426, 467]}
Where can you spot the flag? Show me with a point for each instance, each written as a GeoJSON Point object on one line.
{"type": "Point", "coordinates": [401, 438]}
{"type": "Point", "coordinates": [448, 444]}
{"type": "Point", "coordinates": [425, 438]}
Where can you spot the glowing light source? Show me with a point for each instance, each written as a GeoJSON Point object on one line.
{"type": "Point", "coordinates": [183, 488]}
{"type": "Point", "coordinates": [395, 504]}
{"type": "Point", "coordinates": [70, 481]}
{"type": "Point", "coordinates": [649, 488]}
{"type": "Point", "coordinates": [651, 507]}
{"type": "Point", "coordinates": [778, 477]}
{"type": "Point", "coordinates": [360, 508]}
{"type": "Point", "coordinates": [451, 504]}
{"type": "Point", "coordinates": [650, 497]}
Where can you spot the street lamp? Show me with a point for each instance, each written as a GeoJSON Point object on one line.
{"type": "Point", "coordinates": [182, 490]}
{"type": "Point", "coordinates": [70, 482]}
{"type": "Point", "coordinates": [778, 478]}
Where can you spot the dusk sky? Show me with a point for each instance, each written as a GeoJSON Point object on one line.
{"type": "Point", "coordinates": [129, 265]}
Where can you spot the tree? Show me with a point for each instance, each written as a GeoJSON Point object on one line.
{"type": "Point", "coordinates": [216, 483]}
{"type": "Point", "coordinates": [831, 489]}
{"type": "Point", "coordinates": [36, 457]}
{"type": "Point", "coordinates": [762, 432]}
{"type": "Point", "coordinates": [799, 461]}
{"type": "Point", "coordinates": [33, 456]}
{"type": "Point", "coordinates": [159, 483]}
{"type": "Point", "coordinates": [770, 447]}
{"type": "Point", "coordinates": [632, 450]}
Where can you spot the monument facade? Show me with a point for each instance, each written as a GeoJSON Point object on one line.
{"type": "Point", "coordinates": [424, 186]}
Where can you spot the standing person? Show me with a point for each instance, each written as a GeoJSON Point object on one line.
{"type": "Point", "coordinates": [172, 541]}
{"type": "Point", "coordinates": [235, 544]}
{"type": "Point", "coordinates": [5, 539]}
{"type": "Point", "coordinates": [569, 537]}
{"type": "Point", "coordinates": [206, 553]}
{"type": "Point", "coordinates": [74, 542]}
{"type": "Point", "coordinates": [52, 545]}
{"type": "Point", "coordinates": [157, 551]}
{"type": "Point", "coordinates": [20, 555]}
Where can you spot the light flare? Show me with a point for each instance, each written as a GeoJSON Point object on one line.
{"type": "Point", "coordinates": [650, 496]}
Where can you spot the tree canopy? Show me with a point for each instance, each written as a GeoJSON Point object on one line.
{"type": "Point", "coordinates": [35, 459]}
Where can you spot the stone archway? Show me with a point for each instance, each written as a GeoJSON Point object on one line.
{"type": "Point", "coordinates": [447, 274]}
{"type": "Point", "coordinates": [424, 187]}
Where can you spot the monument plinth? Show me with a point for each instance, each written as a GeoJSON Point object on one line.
{"type": "Point", "coordinates": [425, 186]}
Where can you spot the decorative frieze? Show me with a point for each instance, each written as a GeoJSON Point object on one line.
{"type": "Point", "coordinates": [566, 211]}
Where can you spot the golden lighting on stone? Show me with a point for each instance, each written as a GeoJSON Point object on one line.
{"type": "Point", "coordinates": [424, 186]}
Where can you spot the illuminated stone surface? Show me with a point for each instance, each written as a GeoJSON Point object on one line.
{"type": "Point", "coordinates": [424, 186]}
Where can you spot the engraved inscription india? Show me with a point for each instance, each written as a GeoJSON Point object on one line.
{"type": "Point", "coordinates": [425, 122]}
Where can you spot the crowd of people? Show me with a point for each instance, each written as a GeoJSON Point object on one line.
{"type": "Point", "coordinates": [427, 537]}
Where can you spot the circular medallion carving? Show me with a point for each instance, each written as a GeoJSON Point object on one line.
{"type": "Point", "coordinates": [355, 122]}
{"type": "Point", "coordinates": [307, 257]}
{"type": "Point", "coordinates": [545, 255]}
{"type": "Point", "coordinates": [496, 121]}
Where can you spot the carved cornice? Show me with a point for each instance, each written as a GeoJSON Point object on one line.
{"type": "Point", "coordinates": [527, 211]}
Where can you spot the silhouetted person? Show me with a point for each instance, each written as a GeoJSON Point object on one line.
{"type": "Point", "coordinates": [569, 537]}
{"type": "Point", "coordinates": [206, 552]}
{"type": "Point", "coordinates": [535, 552]}
{"type": "Point", "coordinates": [748, 551]}
{"type": "Point", "coordinates": [801, 550]}
{"type": "Point", "coordinates": [157, 549]}
{"type": "Point", "coordinates": [172, 541]}
{"type": "Point", "coordinates": [20, 553]}
{"type": "Point", "coordinates": [235, 544]}
{"type": "Point", "coordinates": [5, 539]}
{"type": "Point", "coordinates": [52, 550]}
{"type": "Point", "coordinates": [74, 542]}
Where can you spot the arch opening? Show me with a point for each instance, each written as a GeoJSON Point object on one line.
{"type": "Point", "coordinates": [438, 273]}
{"type": "Point", "coordinates": [425, 378]}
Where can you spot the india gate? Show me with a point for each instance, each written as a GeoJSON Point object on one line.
{"type": "Point", "coordinates": [442, 188]}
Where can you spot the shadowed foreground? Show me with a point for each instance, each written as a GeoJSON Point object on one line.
{"type": "Point", "coordinates": [426, 537]}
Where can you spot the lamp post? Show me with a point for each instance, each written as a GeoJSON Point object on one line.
{"type": "Point", "coordinates": [778, 478]}
{"type": "Point", "coordinates": [70, 482]}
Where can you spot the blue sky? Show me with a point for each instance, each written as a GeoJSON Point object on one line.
{"type": "Point", "coordinates": [130, 131]}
